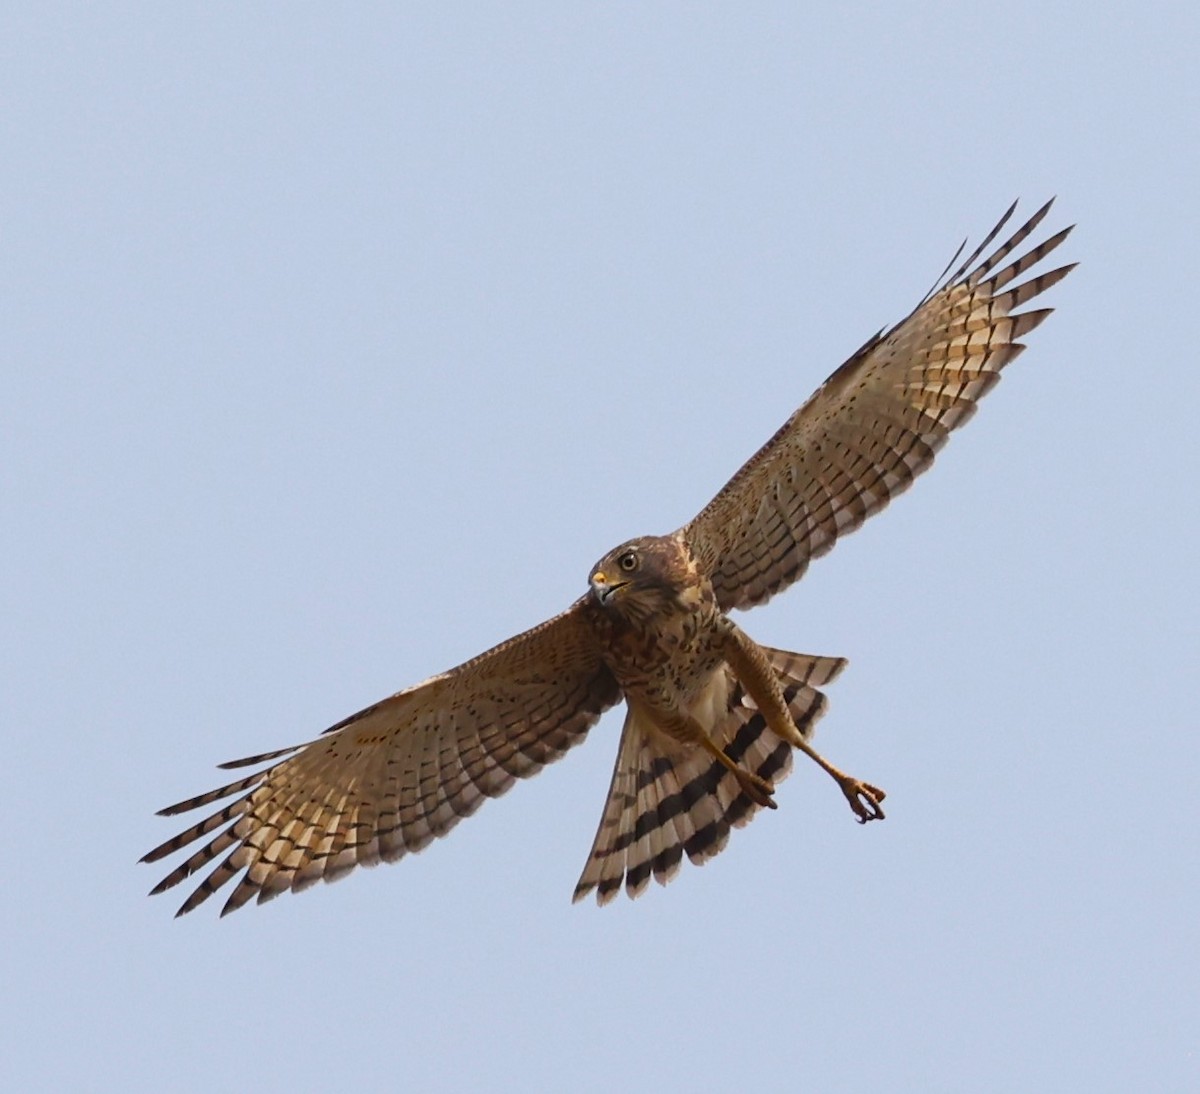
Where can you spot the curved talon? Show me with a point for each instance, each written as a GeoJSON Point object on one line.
{"type": "Point", "coordinates": [864, 799]}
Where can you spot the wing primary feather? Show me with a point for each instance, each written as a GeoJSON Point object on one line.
{"type": "Point", "coordinates": [984, 243]}
{"type": "Point", "coordinates": [938, 283]}
{"type": "Point", "coordinates": [261, 758]}
{"type": "Point", "coordinates": [1011, 244]}
{"type": "Point", "coordinates": [212, 795]}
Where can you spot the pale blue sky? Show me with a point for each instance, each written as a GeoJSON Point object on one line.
{"type": "Point", "coordinates": [337, 343]}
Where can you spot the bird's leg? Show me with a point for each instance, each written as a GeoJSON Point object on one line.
{"type": "Point", "coordinates": [751, 667]}
{"type": "Point", "coordinates": [682, 727]}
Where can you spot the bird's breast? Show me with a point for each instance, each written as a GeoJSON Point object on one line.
{"type": "Point", "coordinates": [668, 658]}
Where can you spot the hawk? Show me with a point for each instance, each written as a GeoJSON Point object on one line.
{"type": "Point", "coordinates": [712, 717]}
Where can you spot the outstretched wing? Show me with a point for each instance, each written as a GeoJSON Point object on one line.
{"type": "Point", "coordinates": [873, 426]}
{"type": "Point", "coordinates": [388, 780]}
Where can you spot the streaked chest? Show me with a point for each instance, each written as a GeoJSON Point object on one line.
{"type": "Point", "coordinates": [667, 656]}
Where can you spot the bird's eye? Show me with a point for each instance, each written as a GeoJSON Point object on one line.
{"type": "Point", "coordinates": [628, 562]}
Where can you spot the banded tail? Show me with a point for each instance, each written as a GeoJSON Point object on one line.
{"type": "Point", "coordinates": [666, 800]}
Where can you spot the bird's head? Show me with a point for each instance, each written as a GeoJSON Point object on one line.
{"type": "Point", "coordinates": [644, 576]}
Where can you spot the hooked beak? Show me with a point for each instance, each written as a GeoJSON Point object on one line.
{"type": "Point", "coordinates": [602, 589]}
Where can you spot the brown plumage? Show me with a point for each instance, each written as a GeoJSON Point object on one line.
{"type": "Point", "coordinates": [712, 717]}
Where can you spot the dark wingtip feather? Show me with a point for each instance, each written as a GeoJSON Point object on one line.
{"type": "Point", "coordinates": [261, 758]}
{"type": "Point", "coordinates": [984, 243]}
{"type": "Point", "coordinates": [211, 796]}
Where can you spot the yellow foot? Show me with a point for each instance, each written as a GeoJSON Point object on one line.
{"type": "Point", "coordinates": [864, 799]}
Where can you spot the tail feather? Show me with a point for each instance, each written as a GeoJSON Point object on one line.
{"type": "Point", "coordinates": [667, 800]}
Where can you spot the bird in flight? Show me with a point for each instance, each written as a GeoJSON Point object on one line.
{"type": "Point", "coordinates": [712, 717]}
